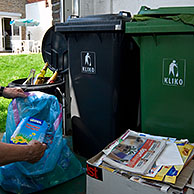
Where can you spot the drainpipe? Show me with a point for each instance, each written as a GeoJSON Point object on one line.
{"type": "Point", "coordinates": [62, 11]}
{"type": "Point", "coordinates": [76, 6]}
{"type": "Point", "coordinates": [68, 8]}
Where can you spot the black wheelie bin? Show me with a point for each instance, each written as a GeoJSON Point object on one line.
{"type": "Point", "coordinates": [104, 68]}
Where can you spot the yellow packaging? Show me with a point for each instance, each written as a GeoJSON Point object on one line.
{"type": "Point", "coordinates": [185, 151]}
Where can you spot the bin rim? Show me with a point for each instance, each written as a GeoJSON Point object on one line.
{"type": "Point", "coordinates": [33, 87]}
{"type": "Point", "coordinates": [103, 22]}
{"type": "Point", "coordinates": [156, 27]}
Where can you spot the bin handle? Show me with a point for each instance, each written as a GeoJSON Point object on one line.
{"type": "Point", "coordinates": [143, 8]}
{"type": "Point", "coordinates": [122, 13]}
{"type": "Point", "coordinates": [63, 110]}
{"type": "Point", "coordinates": [72, 16]}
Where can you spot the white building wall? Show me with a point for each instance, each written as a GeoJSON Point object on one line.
{"type": "Point", "coordinates": [1, 43]}
{"type": "Point", "coordinates": [90, 7]}
{"type": "Point", "coordinates": [43, 14]}
{"type": "Point", "coordinates": [86, 7]}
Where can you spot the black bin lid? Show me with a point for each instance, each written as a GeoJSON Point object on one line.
{"type": "Point", "coordinates": [110, 22]}
{"type": "Point", "coordinates": [54, 50]}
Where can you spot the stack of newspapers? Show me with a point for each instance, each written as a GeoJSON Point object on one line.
{"type": "Point", "coordinates": [147, 158]}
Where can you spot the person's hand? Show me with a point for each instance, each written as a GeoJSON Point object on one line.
{"type": "Point", "coordinates": [13, 93]}
{"type": "Point", "coordinates": [36, 151]}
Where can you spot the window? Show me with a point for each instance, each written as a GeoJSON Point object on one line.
{"type": "Point", "coordinates": [16, 30]}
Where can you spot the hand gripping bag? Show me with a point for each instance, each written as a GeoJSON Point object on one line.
{"type": "Point", "coordinates": [24, 177]}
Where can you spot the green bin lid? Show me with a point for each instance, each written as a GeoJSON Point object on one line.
{"type": "Point", "coordinates": [162, 20]}
{"type": "Point", "coordinates": [166, 11]}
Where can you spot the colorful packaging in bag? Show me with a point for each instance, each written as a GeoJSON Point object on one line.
{"type": "Point", "coordinates": [29, 129]}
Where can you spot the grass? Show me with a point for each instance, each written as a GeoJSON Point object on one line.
{"type": "Point", "coordinates": [14, 67]}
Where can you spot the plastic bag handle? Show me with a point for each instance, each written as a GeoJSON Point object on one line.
{"type": "Point", "coordinates": [122, 13]}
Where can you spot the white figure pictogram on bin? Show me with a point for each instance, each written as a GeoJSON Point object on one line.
{"type": "Point", "coordinates": [88, 60]}
{"type": "Point", "coordinates": [172, 68]}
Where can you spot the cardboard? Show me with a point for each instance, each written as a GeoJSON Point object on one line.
{"type": "Point", "coordinates": [184, 176]}
{"type": "Point", "coordinates": [101, 181]}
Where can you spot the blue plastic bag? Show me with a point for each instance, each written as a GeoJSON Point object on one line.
{"type": "Point", "coordinates": [58, 163]}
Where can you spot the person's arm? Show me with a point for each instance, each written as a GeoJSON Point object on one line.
{"type": "Point", "coordinates": [1, 90]}
{"type": "Point", "coordinates": [32, 152]}
{"type": "Point", "coordinates": [12, 92]}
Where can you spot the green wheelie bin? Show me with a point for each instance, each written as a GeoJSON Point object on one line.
{"type": "Point", "coordinates": [166, 40]}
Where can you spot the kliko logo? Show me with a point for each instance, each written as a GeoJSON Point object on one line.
{"type": "Point", "coordinates": [174, 72]}
{"type": "Point", "coordinates": [88, 62]}
{"type": "Point", "coordinates": [94, 172]}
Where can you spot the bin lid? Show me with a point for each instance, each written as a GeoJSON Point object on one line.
{"type": "Point", "coordinates": [54, 50]}
{"type": "Point", "coordinates": [166, 10]}
{"type": "Point", "coordinates": [162, 20]}
{"type": "Point", "coordinates": [106, 22]}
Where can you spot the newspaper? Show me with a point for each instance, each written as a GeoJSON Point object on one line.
{"type": "Point", "coordinates": [133, 153]}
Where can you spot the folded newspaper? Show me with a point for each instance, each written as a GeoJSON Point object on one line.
{"type": "Point", "coordinates": [133, 153]}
